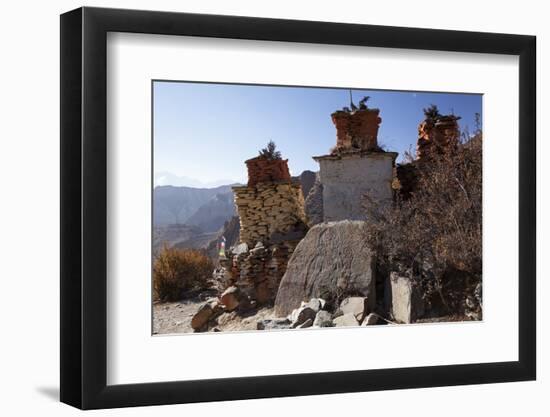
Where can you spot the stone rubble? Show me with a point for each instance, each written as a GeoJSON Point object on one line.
{"type": "Point", "coordinates": [345, 320]}
{"type": "Point", "coordinates": [258, 272]}
{"type": "Point", "coordinates": [274, 324]}
{"type": "Point", "coordinates": [310, 314]}
{"type": "Point", "coordinates": [323, 319]}
{"type": "Point", "coordinates": [301, 315]}
{"type": "Point", "coordinates": [305, 324]}
{"type": "Point", "coordinates": [231, 298]}
{"type": "Point", "coordinates": [207, 311]}
{"type": "Point", "coordinates": [370, 320]}
{"type": "Point", "coordinates": [356, 306]}
{"type": "Point", "coordinates": [353, 311]}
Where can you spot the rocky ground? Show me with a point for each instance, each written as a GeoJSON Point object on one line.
{"type": "Point", "coordinates": [230, 312]}
{"type": "Point", "coordinates": [174, 317]}
{"type": "Point", "coordinates": [169, 318]}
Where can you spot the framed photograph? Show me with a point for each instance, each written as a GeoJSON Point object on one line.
{"type": "Point", "coordinates": [257, 208]}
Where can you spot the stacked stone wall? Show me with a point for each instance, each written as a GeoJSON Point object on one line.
{"type": "Point", "coordinates": [268, 208]}
{"type": "Point", "coordinates": [272, 222]}
{"type": "Point", "coordinates": [258, 272]}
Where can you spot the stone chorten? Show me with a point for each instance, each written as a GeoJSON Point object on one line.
{"type": "Point", "coordinates": [356, 166]}
{"type": "Point", "coordinates": [272, 222]}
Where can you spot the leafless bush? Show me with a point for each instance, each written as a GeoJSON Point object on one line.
{"type": "Point", "coordinates": [176, 271]}
{"type": "Point", "coordinates": [434, 232]}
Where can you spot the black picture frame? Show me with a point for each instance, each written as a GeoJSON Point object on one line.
{"type": "Point", "coordinates": [84, 207]}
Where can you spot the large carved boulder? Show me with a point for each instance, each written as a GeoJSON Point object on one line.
{"type": "Point", "coordinates": [331, 262]}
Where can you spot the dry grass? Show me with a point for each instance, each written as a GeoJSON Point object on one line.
{"type": "Point", "coordinates": [177, 271]}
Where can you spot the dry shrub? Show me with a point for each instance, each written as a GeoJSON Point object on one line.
{"type": "Point", "coordinates": [176, 271]}
{"type": "Point", "coordinates": [433, 233]}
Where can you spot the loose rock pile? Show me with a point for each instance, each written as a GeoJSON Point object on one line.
{"type": "Point", "coordinates": [231, 300]}
{"type": "Point", "coordinates": [258, 272]}
{"type": "Point", "coordinates": [207, 312]}
{"type": "Point", "coordinates": [353, 311]}
{"type": "Point", "coordinates": [247, 279]}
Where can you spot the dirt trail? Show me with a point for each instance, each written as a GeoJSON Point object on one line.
{"type": "Point", "coordinates": [175, 317]}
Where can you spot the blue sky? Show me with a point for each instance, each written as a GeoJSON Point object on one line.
{"type": "Point", "coordinates": [204, 132]}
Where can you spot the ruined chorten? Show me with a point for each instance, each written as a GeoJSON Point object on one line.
{"type": "Point", "coordinates": [437, 134]}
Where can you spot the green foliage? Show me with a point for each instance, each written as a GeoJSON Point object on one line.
{"type": "Point", "coordinates": [432, 112]}
{"type": "Point", "coordinates": [363, 103]}
{"type": "Point", "coordinates": [270, 152]}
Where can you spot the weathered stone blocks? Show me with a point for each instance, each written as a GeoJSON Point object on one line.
{"type": "Point", "coordinates": [357, 129]}
{"type": "Point", "coordinates": [268, 208]}
{"type": "Point", "coordinates": [267, 170]}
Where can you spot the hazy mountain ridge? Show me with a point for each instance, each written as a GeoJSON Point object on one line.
{"type": "Point", "coordinates": [172, 235]}
{"type": "Point", "coordinates": [212, 215]}
{"type": "Point", "coordinates": [307, 179]}
{"type": "Point", "coordinates": [188, 217]}
{"type": "Point", "coordinates": [175, 205]}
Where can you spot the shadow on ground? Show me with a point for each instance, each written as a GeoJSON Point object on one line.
{"type": "Point", "coordinates": [50, 392]}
